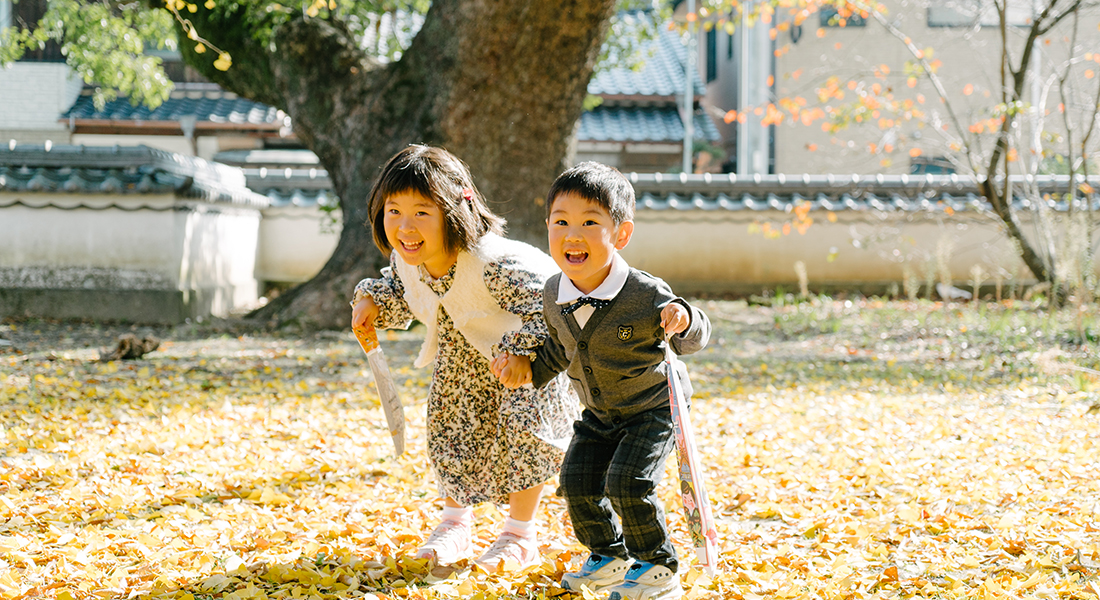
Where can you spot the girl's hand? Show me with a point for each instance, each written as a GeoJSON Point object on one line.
{"type": "Point", "coordinates": [513, 371]}
{"type": "Point", "coordinates": [364, 312]}
{"type": "Point", "coordinates": [675, 318]}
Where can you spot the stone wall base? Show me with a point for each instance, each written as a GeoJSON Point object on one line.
{"type": "Point", "coordinates": [161, 307]}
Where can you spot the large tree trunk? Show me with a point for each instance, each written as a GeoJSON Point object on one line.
{"type": "Point", "coordinates": [500, 83]}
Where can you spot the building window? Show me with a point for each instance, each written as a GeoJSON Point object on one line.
{"type": "Point", "coordinates": [712, 55]}
{"type": "Point", "coordinates": [971, 13]}
{"type": "Point", "coordinates": [931, 165]}
{"type": "Point", "coordinates": [830, 17]}
{"type": "Point", "coordinates": [27, 13]}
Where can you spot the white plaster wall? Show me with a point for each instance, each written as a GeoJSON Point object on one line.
{"type": "Point", "coordinates": [169, 143]}
{"type": "Point", "coordinates": [715, 251]}
{"type": "Point", "coordinates": [217, 253]}
{"type": "Point", "coordinates": [138, 243]}
{"type": "Point", "coordinates": [206, 145]}
{"type": "Point", "coordinates": [33, 95]}
{"type": "Point", "coordinates": [712, 251]}
{"type": "Point", "coordinates": [295, 242]}
{"type": "Point", "coordinates": [193, 247]}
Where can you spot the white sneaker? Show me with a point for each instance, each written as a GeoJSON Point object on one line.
{"type": "Point", "coordinates": [510, 551]}
{"type": "Point", "coordinates": [597, 573]}
{"type": "Point", "coordinates": [449, 542]}
{"type": "Point", "coordinates": [647, 581]}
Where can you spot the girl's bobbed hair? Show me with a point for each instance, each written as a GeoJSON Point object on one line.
{"type": "Point", "coordinates": [439, 175]}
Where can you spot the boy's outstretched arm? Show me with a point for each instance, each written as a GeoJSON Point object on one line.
{"type": "Point", "coordinates": [512, 371]}
{"type": "Point", "coordinates": [691, 327]}
{"type": "Point", "coordinates": [674, 318]}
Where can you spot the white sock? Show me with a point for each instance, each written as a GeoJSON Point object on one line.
{"type": "Point", "coordinates": [463, 514]}
{"type": "Point", "coordinates": [524, 529]}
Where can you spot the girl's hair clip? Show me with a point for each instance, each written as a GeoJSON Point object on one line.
{"type": "Point", "coordinates": [468, 194]}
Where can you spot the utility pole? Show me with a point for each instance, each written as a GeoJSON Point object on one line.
{"type": "Point", "coordinates": [689, 90]}
{"type": "Point", "coordinates": [744, 161]}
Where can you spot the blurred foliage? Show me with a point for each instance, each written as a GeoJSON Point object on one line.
{"type": "Point", "coordinates": [106, 42]}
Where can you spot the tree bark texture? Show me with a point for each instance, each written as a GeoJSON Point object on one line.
{"type": "Point", "coordinates": [500, 83]}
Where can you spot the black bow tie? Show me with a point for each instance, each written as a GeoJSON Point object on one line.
{"type": "Point", "coordinates": [569, 309]}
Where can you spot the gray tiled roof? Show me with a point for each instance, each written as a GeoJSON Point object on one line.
{"type": "Point", "coordinates": [293, 187]}
{"type": "Point", "coordinates": [214, 106]}
{"type": "Point", "coordinates": [641, 124]}
{"type": "Point", "coordinates": [728, 192]}
{"type": "Point", "coordinates": [662, 72]}
{"type": "Point", "coordinates": [121, 170]}
{"type": "Point", "coordinates": [911, 193]}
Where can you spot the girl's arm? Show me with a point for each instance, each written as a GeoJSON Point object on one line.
{"type": "Point", "coordinates": [388, 294]}
{"type": "Point", "coordinates": [519, 291]}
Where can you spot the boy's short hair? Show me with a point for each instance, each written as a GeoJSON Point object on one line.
{"type": "Point", "coordinates": [598, 183]}
{"type": "Point", "coordinates": [444, 179]}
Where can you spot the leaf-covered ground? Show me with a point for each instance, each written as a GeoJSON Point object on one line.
{"type": "Point", "coordinates": [853, 449]}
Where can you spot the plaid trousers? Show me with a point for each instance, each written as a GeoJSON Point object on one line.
{"type": "Point", "coordinates": [613, 469]}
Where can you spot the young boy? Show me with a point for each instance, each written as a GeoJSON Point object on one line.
{"type": "Point", "coordinates": [608, 324]}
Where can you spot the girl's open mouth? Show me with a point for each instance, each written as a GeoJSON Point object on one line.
{"type": "Point", "coordinates": [411, 247]}
{"type": "Point", "coordinates": [576, 258]}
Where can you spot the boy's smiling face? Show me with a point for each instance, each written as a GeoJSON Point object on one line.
{"type": "Point", "coordinates": [584, 239]}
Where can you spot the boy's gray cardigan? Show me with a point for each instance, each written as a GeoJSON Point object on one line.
{"type": "Point", "coordinates": [617, 362]}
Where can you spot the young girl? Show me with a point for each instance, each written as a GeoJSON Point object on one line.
{"type": "Point", "coordinates": [478, 294]}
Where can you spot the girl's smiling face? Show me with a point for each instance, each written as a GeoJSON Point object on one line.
{"type": "Point", "coordinates": [584, 239]}
{"type": "Point", "coordinates": [414, 227]}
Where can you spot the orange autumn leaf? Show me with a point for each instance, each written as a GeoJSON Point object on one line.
{"type": "Point", "coordinates": [968, 89]}
{"type": "Point", "coordinates": [915, 152]}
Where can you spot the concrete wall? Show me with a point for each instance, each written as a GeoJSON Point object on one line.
{"type": "Point", "coordinates": [162, 260]}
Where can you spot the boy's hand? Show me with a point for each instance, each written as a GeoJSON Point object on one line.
{"type": "Point", "coordinates": [513, 371]}
{"type": "Point", "coordinates": [675, 318]}
{"type": "Point", "coordinates": [364, 312]}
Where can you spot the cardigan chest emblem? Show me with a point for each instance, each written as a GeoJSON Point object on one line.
{"type": "Point", "coordinates": [626, 332]}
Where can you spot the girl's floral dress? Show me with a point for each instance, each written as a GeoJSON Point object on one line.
{"type": "Point", "coordinates": [485, 441]}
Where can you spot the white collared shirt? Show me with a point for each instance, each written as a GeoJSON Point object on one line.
{"type": "Point", "coordinates": [607, 290]}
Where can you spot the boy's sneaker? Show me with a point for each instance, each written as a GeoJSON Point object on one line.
{"type": "Point", "coordinates": [448, 543]}
{"type": "Point", "coordinates": [647, 581]}
{"type": "Point", "coordinates": [511, 551]}
{"type": "Point", "coordinates": [597, 573]}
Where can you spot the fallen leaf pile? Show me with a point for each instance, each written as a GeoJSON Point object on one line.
{"type": "Point", "coordinates": [852, 450]}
